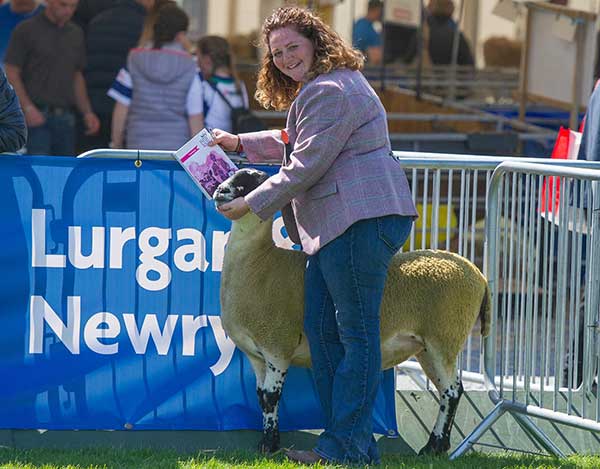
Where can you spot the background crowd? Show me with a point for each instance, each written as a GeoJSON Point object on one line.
{"type": "Point", "coordinates": [63, 57]}
{"type": "Point", "coordinates": [114, 73]}
{"type": "Point", "coordinates": [401, 41]}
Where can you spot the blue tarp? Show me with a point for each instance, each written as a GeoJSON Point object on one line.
{"type": "Point", "coordinates": [110, 305]}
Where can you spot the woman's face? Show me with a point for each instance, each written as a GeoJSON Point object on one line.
{"type": "Point", "coordinates": [205, 64]}
{"type": "Point", "coordinates": [292, 53]}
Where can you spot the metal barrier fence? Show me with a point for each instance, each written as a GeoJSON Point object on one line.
{"type": "Point", "coordinates": [537, 331]}
{"type": "Point", "coordinates": [450, 193]}
{"type": "Point", "coordinates": [544, 273]}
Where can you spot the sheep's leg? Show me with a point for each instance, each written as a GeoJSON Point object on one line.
{"type": "Point", "coordinates": [258, 365]}
{"type": "Point", "coordinates": [450, 389]}
{"type": "Point", "coordinates": [269, 395]}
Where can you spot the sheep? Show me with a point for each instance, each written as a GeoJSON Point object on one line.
{"type": "Point", "coordinates": [431, 301]}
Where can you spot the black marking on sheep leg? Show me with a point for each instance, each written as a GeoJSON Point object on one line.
{"type": "Point", "coordinates": [268, 397]}
{"type": "Point", "coordinates": [439, 441]}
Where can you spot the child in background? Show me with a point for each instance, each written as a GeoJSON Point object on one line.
{"type": "Point", "coordinates": [215, 60]}
{"type": "Point", "coordinates": [159, 93]}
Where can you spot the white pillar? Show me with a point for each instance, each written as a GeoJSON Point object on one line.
{"type": "Point", "coordinates": [470, 23]}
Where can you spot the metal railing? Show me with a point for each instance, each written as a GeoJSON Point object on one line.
{"type": "Point", "coordinates": [542, 242]}
{"type": "Point", "coordinates": [450, 194]}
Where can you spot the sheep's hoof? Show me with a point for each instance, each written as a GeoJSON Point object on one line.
{"type": "Point", "coordinates": [435, 446]}
{"type": "Point", "coordinates": [268, 445]}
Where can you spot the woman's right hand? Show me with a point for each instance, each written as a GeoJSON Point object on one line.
{"type": "Point", "coordinates": [228, 142]}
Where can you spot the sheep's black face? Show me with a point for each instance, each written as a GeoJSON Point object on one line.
{"type": "Point", "coordinates": [241, 183]}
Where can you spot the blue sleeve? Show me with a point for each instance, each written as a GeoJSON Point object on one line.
{"type": "Point", "coordinates": [582, 155]}
{"type": "Point", "coordinates": [121, 89]}
{"type": "Point", "coordinates": [364, 35]}
{"type": "Point", "coordinates": [589, 148]}
{"type": "Point", "coordinates": [13, 130]}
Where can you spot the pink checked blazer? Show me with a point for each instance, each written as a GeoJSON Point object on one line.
{"type": "Point", "coordinates": [340, 170]}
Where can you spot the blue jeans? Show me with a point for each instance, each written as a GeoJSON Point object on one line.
{"type": "Point", "coordinates": [55, 137]}
{"type": "Point", "coordinates": [344, 284]}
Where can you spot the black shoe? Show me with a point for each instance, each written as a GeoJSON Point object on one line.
{"type": "Point", "coordinates": [305, 456]}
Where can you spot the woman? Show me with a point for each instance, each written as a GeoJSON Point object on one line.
{"type": "Point", "coordinates": [162, 109]}
{"type": "Point", "coordinates": [353, 208]}
{"type": "Point", "coordinates": [221, 88]}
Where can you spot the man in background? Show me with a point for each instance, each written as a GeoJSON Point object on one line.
{"type": "Point", "coordinates": [442, 29]}
{"type": "Point", "coordinates": [44, 63]}
{"type": "Point", "coordinates": [11, 14]}
{"type": "Point", "coordinates": [110, 36]}
{"type": "Point", "coordinates": [87, 10]}
{"type": "Point", "coordinates": [364, 35]}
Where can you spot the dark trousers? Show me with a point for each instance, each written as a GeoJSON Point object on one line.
{"type": "Point", "coordinates": [92, 142]}
{"type": "Point", "coordinates": [56, 136]}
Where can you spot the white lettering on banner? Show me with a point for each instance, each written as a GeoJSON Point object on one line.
{"type": "Point", "coordinates": [40, 311]}
{"type": "Point", "coordinates": [194, 250]}
{"type": "Point", "coordinates": [220, 239]}
{"type": "Point", "coordinates": [151, 274]}
{"type": "Point", "coordinates": [39, 258]}
{"type": "Point", "coordinates": [77, 258]}
{"type": "Point", "coordinates": [97, 338]}
{"type": "Point", "coordinates": [92, 332]}
{"type": "Point", "coordinates": [139, 338]}
{"type": "Point", "coordinates": [225, 344]}
{"type": "Point", "coordinates": [191, 325]}
{"type": "Point", "coordinates": [280, 240]}
{"type": "Point", "coordinates": [118, 238]}
{"type": "Point", "coordinates": [149, 261]}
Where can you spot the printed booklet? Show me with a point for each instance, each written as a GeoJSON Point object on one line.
{"type": "Point", "coordinates": [208, 166]}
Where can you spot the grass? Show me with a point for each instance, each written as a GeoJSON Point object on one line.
{"type": "Point", "coordinates": [110, 458]}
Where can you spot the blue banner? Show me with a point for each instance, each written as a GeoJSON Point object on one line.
{"type": "Point", "coordinates": [110, 305]}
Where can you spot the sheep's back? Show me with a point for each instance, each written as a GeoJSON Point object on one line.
{"type": "Point", "coordinates": [434, 295]}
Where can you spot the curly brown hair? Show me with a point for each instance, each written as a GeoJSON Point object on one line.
{"type": "Point", "coordinates": [276, 90]}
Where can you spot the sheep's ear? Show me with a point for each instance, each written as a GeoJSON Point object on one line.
{"type": "Point", "coordinates": [253, 178]}
{"type": "Point", "coordinates": [263, 177]}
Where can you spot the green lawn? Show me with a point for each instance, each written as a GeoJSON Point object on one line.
{"type": "Point", "coordinates": [160, 459]}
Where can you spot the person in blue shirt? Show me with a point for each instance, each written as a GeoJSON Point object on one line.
{"type": "Point", "coordinates": [11, 14]}
{"type": "Point", "coordinates": [364, 35]}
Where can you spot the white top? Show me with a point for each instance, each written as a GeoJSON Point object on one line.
{"type": "Point", "coordinates": [217, 114]}
{"type": "Point", "coordinates": [122, 91]}
{"type": "Point", "coordinates": [201, 97]}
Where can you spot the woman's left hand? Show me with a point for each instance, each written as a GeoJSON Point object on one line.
{"type": "Point", "coordinates": [235, 209]}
